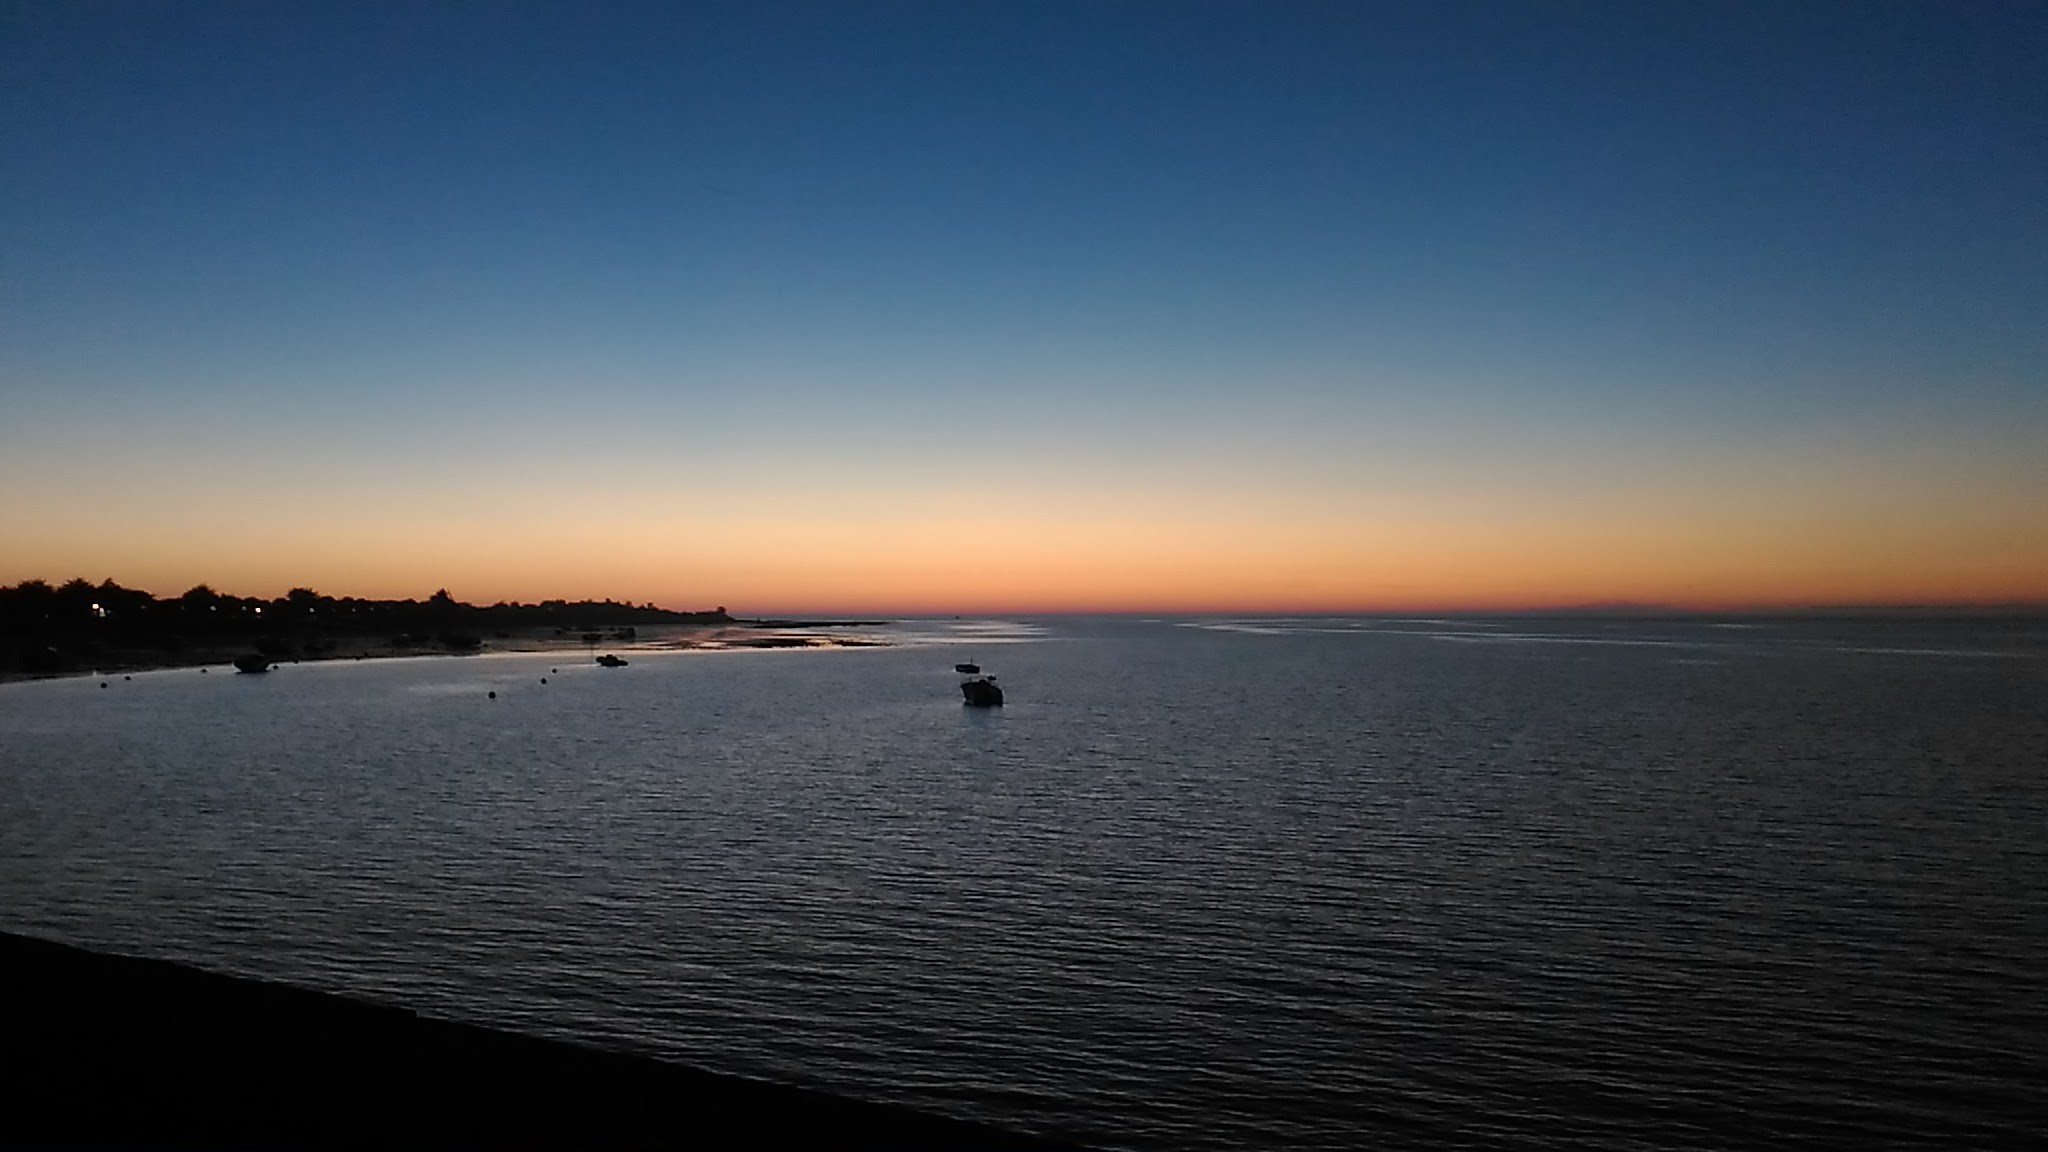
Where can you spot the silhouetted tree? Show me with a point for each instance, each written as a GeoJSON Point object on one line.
{"type": "Point", "coordinates": [77, 596]}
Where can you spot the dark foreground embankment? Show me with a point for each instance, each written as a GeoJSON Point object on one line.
{"type": "Point", "coordinates": [107, 1050]}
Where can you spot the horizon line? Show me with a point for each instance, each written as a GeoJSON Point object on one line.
{"type": "Point", "coordinates": [1410, 609]}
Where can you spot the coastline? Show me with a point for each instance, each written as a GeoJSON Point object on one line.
{"type": "Point", "coordinates": [119, 1051]}
{"type": "Point", "coordinates": [658, 638]}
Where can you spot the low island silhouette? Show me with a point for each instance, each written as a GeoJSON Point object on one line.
{"type": "Point", "coordinates": [79, 626]}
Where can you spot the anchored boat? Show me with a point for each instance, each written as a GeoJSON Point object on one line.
{"type": "Point", "coordinates": [977, 690]}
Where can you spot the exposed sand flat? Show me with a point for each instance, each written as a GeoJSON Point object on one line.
{"type": "Point", "coordinates": [777, 634]}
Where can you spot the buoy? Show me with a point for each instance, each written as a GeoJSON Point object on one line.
{"type": "Point", "coordinates": [543, 679]}
{"type": "Point", "coordinates": [494, 695]}
{"type": "Point", "coordinates": [202, 671]}
{"type": "Point", "coordinates": [127, 677]}
{"type": "Point", "coordinates": [103, 683]}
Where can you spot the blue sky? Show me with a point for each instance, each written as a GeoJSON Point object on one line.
{"type": "Point", "coordinates": [1281, 260]}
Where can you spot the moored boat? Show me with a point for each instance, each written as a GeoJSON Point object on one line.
{"type": "Point", "coordinates": [979, 691]}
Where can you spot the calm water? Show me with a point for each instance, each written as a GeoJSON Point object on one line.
{"type": "Point", "coordinates": [1202, 884]}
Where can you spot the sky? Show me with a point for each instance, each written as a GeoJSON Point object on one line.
{"type": "Point", "coordinates": [1031, 307]}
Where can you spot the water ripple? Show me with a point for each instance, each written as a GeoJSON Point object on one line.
{"type": "Point", "coordinates": [1265, 883]}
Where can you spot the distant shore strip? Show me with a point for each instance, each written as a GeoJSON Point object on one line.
{"type": "Point", "coordinates": [80, 628]}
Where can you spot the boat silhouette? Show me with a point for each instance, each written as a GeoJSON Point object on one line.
{"type": "Point", "coordinates": [977, 690]}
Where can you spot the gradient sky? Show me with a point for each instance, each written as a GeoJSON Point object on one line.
{"type": "Point", "coordinates": [1038, 306]}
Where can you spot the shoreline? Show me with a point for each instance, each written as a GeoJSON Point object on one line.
{"type": "Point", "coordinates": [123, 1051]}
{"type": "Point", "coordinates": [654, 638]}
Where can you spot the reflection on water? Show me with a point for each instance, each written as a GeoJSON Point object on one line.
{"type": "Point", "coordinates": [1322, 884]}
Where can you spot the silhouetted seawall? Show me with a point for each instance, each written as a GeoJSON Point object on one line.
{"type": "Point", "coordinates": [109, 1051]}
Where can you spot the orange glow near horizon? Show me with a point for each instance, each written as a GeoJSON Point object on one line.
{"type": "Point", "coordinates": [1016, 564]}
{"type": "Point", "coordinates": [1503, 525]}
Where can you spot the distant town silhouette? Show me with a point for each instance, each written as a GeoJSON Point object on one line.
{"type": "Point", "coordinates": [50, 629]}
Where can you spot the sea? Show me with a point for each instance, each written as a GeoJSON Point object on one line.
{"type": "Point", "coordinates": [1201, 883]}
